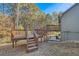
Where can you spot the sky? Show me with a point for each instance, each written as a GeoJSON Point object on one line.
{"type": "Point", "coordinates": [49, 8]}
{"type": "Point", "coordinates": [5, 8]}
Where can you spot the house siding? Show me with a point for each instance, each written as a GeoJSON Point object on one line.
{"type": "Point", "coordinates": [70, 24]}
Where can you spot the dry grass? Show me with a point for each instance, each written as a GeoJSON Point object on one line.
{"type": "Point", "coordinates": [5, 40]}
{"type": "Point", "coordinates": [65, 49]}
{"type": "Point", "coordinates": [45, 49]}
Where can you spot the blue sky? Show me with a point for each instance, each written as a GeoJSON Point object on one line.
{"type": "Point", "coordinates": [47, 7]}
{"type": "Point", "coordinates": [53, 7]}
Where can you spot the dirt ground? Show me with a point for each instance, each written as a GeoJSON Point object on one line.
{"type": "Point", "coordinates": [50, 48]}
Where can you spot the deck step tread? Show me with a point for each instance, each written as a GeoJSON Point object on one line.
{"type": "Point", "coordinates": [32, 48]}
{"type": "Point", "coordinates": [31, 42]}
{"type": "Point", "coordinates": [31, 45]}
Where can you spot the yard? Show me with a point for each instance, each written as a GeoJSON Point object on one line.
{"type": "Point", "coordinates": [50, 48]}
{"type": "Point", "coordinates": [29, 17]}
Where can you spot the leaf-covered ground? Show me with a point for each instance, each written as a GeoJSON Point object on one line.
{"type": "Point", "coordinates": [50, 48]}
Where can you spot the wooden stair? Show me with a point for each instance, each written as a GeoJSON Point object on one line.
{"type": "Point", "coordinates": [32, 44]}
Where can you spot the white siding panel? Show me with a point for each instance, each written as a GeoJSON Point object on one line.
{"type": "Point", "coordinates": [70, 22]}
{"type": "Point", "coordinates": [70, 36]}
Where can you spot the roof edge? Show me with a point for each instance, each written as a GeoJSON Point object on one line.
{"type": "Point", "coordinates": [69, 9]}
